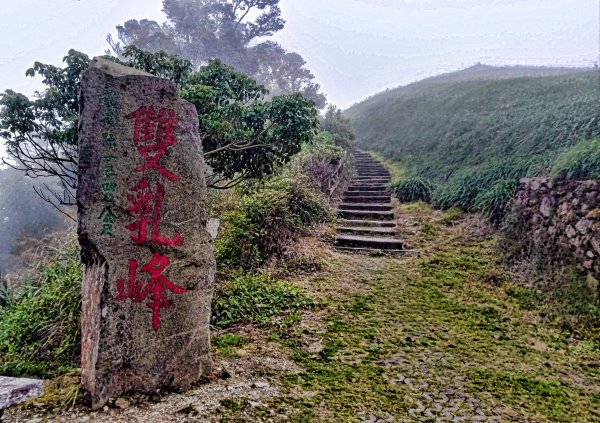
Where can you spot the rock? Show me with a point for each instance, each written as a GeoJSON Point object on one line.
{"type": "Point", "coordinates": [583, 226]}
{"type": "Point", "coordinates": [546, 207]}
{"type": "Point", "coordinates": [149, 261]}
{"type": "Point", "coordinates": [14, 391]}
{"type": "Point", "coordinates": [593, 286]}
{"type": "Point", "coordinates": [593, 214]}
{"type": "Point", "coordinates": [596, 245]}
{"type": "Point", "coordinates": [212, 227]}
{"type": "Point", "coordinates": [260, 385]}
{"type": "Point", "coordinates": [570, 231]}
{"type": "Point", "coordinates": [315, 348]}
{"type": "Point", "coordinates": [122, 403]}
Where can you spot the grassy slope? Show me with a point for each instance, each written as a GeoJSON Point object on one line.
{"type": "Point", "coordinates": [482, 114]}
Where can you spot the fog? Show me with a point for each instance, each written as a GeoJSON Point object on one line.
{"type": "Point", "coordinates": [354, 48]}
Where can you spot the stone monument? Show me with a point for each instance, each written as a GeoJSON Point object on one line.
{"type": "Point", "coordinates": [149, 261]}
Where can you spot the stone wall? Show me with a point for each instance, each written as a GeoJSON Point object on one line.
{"type": "Point", "coordinates": [557, 223]}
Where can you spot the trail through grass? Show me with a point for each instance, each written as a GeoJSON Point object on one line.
{"type": "Point", "coordinates": [440, 336]}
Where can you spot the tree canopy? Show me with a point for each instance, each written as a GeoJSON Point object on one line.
{"type": "Point", "coordinates": [244, 135]}
{"type": "Point", "coordinates": [233, 31]}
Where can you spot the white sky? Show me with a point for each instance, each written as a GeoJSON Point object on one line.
{"type": "Point", "coordinates": [354, 47]}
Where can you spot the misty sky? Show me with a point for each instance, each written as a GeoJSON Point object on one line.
{"type": "Point", "coordinates": [355, 47]}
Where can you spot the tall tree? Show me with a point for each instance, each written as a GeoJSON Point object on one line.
{"type": "Point", "coordinates": [229, 30]}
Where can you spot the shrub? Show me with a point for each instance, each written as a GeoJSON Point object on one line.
{"type": "Point", "coordinates": [464, 188]}
{"type": "Point", "coordinates": [409, 190]}
{"type": "Point", "coordinates": [40, 329]}
{"type": "Point", "coordinates": [267, 219]}
{"type": "Point", "coordinates": [582, 161]}
{"type": "Point", "coordinates": [320, 160]}
{"type": "Point", "coordinates": [495, 202]}
{"type": "Point", "coordinates": [255, 299]}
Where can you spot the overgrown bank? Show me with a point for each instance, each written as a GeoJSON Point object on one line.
{"type": "Point", "coordinates": [467, 138]}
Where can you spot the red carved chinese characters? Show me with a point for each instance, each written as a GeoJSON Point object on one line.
{"type": "Point", "coordinates": [146, 206]}
{"type": "Point", "coordinates": [154, 288]}
{"type": "Point", "coordinates": [153, 136]}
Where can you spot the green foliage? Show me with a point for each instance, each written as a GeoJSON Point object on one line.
{"type": "Point", "coordinates": [245, 136]}
{"type": "Point", "coordinates": [582, 161]}
{"type": "Point", "coordinates": [487, 188]}
{"type": "Point", "coordinates": [338, 126]}
{"type": "Point", "coordinates": [451, 215]}
{"type": "Point", "coordinates": [159, 64]}
{"type": "Point", "coordinates": [255, 299]}
{"type": "Point", "coordinates": [267, 219]}
{"type": "Point", "coordinates": [409, 190]}
{"type": "Point", "coordinates": [41, 134]}
{"type": "Point", "coordinates": [321, 159]}
{"type": "Point", "coordinates": [495, 202]}
{"type": "Point", "coordinates": [478, 131]}
{"type": "Point", "coordinates": [527, 298]}
{"type": "Point", "coordinates": [227, 344]}
{"type": "Point", "coordinates": [40, 329]}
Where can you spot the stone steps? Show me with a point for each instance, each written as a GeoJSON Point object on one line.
{"type": "Point", "coordinates": [369, 223]}
{"type": "Point", "coordinates": [367, 230]}
{"type": "Point", "coordinates": [350, 194]}
{"type": "Point", "coordinates": [367, 198]}
{"type": "Point", "coordinates": [366, 206]}
{"type": "Point", "coordinates": [366, 214]}
{"type": "Point", "coordinates": [369, 242]}
{"type": "Point", "coordinates": [367, 211]}
{"type": "Point", "coordinates": [368, 187]}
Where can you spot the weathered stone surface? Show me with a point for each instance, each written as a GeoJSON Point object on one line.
{"type": "Point", "coordinates": [557, 222]}
{"type": "Point", "coordinates": [150, 266]}
{"type": "Point", "coordinates": [14, 391]}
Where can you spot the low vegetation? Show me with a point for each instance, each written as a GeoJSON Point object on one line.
{"type": "Point", "coordinates": [409, 190]}
{"type": "Point", "coordinates": [265, 219]}
{"type": "Point", "coordinates": [40, 325]}
{"type": "Point", "coordinates": [255, 299]}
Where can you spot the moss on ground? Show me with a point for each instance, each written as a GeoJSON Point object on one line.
{"type": "Point", "coordinates": [443, 333]}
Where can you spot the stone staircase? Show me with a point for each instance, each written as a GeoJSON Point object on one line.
{"type": "Point", "coordinates": [368, 218]}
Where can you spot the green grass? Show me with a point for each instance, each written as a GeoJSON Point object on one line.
{"type": "Point", "coordinates": [40, 328]}
{"type": "Point", "coordinates": [409, 190]}
{"type": "Point", "coordinates": [227, 344]}
{"type": "Point", "coordinates": [255, 299]}
{"type": "Point", "coordinates": [581, 161]}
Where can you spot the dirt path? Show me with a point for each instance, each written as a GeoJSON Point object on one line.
{"type": "Point", "coordinates": [442, 335]}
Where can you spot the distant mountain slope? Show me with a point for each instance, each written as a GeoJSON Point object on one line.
{"type": "Point", "coordinates": [514, 118]}
{"type": "Point", "coordinates": [480, 113]}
